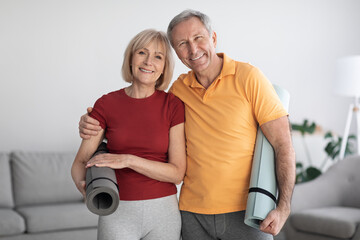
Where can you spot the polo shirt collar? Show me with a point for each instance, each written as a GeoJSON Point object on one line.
{"type": "Point", "coordinates": [228, 68]}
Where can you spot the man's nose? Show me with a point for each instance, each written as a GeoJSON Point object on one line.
{"type": "Point", "coordinates": [192, 48]}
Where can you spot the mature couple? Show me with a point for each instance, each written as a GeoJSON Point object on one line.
{"type": "Point", "coordinates": [207, 139]}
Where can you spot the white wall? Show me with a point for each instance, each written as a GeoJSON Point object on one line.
{"type": "Point", "coordinates": [58, 56]}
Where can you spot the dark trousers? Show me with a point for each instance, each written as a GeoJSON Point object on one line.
{"type": "Point", "coordinates": [228, 226]}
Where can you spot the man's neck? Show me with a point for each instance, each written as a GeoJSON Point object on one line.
{"type": "Point", "coordinates": [209, 75]}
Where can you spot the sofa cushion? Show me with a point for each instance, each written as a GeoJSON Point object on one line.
{"type": "Point", "coordinates": [58, 217]}
{"type": "Point", "coordinates": [42, 178]}
{"type": "Point", "coordinates": [11, 222]}
{"type": "Point", "coordinates": [78, 234]}
{"type": "Point", "coordinates": [338, 222]}
{"type": "Point", "coordinates": [6, 197]}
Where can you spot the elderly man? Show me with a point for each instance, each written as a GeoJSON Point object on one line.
{"type": "Point", "coordinates": [225, 101]}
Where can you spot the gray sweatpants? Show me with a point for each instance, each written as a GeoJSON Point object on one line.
{"type": "Point", "coordinates": [153, 219]}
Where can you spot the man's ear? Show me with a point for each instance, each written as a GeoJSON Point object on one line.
{"type": "Point", "coordinates": [214, 38]}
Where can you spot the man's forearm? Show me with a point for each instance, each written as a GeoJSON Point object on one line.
{"type": "Point", "coordinates": [286, 174]}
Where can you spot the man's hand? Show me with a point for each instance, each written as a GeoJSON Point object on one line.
{"type": "Point", "coordinates": [88, 126]}
{"type": "Point", "coordinates": [274, 221]}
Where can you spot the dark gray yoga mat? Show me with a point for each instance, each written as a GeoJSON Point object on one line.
{"type": "Point", "coordinates": [102, 193]}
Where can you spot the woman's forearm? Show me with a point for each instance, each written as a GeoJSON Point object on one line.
{"type": "Point", "coordinates": [164, 172]}
{"type": "Point", "coordinates": [86, 150]}
{"type": "Point", "coordinates": [172, 171]}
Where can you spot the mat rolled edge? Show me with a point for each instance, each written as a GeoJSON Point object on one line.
{"type": "Point", "coordinates": [263, 188]}
{"type": "Point", "coordinates": [102, 194]}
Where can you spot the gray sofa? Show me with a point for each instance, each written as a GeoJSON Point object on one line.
{"type": "Point", "coordinates": [328, 207]}
{"type": "Point", "coordinates": [39, 201]}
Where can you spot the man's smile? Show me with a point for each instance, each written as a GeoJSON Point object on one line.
{"type": "Point", "coordinates": [196, 58]}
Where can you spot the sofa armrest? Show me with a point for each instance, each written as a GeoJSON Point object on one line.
{"type": "Point", "coordinates": [320, 192]}
{"type": "Point", "coordinates": [335, 187]}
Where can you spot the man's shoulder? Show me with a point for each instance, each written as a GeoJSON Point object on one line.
{"type": "Point", "coordinates": [182, 77]}
{"type": "Point", "coordinates": [237, 66]}
{"type": "Point", "coordinates": [245, 65]}
{"type": "Point", "coordinates": [180, 81]}
{"type": "Point", "coordinates": [246, 69]}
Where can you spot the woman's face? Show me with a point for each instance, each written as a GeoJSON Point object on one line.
{"type": "Point", "coordinates": [148, 63]}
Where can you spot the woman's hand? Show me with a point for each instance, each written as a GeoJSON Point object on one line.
{"type": "Point", "coordinates": [115, 161]}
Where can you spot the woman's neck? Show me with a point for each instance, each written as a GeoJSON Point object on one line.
{"type": "Point", "coordinates": [136, 91]}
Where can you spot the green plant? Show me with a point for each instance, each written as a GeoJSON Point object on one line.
{"type": "Point", "coordinates": [333, 146]}
{"type": "Point", "coordinates": [306, 174]}
{"type": "Point", "coordinates": [332, 150]}
{"type": "Point", "coordinates": [311, 172]}
{"type": "Point", "coordinates": [305, 128]}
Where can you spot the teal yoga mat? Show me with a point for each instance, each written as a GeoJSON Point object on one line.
{"type": "Point", "coordinates": [263, 188]}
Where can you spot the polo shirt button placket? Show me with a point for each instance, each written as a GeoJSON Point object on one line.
{"type": "Point", "coordinates": [205, 93]}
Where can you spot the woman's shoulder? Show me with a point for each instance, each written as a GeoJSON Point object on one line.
{"type": "Point", "coordinates": [113, 94]}
{"type": "Point", "coordinates": [174, 107]}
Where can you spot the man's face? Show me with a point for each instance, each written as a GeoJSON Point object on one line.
{"type": "Point", "coordinates": [193, 45]}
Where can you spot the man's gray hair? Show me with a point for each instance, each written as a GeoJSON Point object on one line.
{"type": "Point", "coordinates": [185, 15]}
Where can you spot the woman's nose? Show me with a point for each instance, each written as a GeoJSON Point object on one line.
{"type": "Point", "coordinates": [148, 60]}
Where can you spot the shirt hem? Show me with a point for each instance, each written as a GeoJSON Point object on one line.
{"type": "Point", "coordinates": [213, 211]}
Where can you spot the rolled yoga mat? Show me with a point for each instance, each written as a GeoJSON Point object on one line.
{"type": "Point", "coordinates": [263, 188]}
{"type": "Point", "coordinates": [102, 193]}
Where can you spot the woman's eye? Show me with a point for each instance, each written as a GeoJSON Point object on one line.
{"type": "Point", "coordinates": [159, 57]}
{"type": "Point", "coordinates": [141, 52]}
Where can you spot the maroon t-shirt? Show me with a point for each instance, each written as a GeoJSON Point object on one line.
{"type": "Point", "coordinates": [139, 127]}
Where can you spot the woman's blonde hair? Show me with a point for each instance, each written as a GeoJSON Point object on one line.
{"type": "Point", "coordinates": [141, 40]}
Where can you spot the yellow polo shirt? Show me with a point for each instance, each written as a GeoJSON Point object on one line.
{"type": "Point", "coordinates": [220, 127]}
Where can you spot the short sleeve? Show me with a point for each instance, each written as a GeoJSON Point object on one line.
{"type": "Point", "coordinates": [177, 110]}
{"type": "Point", "coordinates": [265, 102]}
{"type": "Point", "coordinates": [98, 112]}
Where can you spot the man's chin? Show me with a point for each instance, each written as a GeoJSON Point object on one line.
{"type": "Point", "coordinates": [199, 68]}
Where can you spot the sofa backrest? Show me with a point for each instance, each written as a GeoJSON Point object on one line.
{"type": "Point", "coordinates": [344, 178]}
{"type": "Point", "coordinates": [6, 196]}
{"type": "Point", "coordinates": [42, 178]}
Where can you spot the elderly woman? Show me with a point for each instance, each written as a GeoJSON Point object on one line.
{"type": "Point", "coordinates": [144, 127]}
